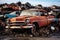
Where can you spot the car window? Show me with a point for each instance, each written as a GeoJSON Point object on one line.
{"type": "Point", "coordinates": [25, 14]}
{"type": "Point", "coordinates": [37, 13]}
{"type": "Point", "coordinates": [30, 13]}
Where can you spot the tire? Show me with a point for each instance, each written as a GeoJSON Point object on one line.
{"type": "Point", "coordinates": [34, 31]}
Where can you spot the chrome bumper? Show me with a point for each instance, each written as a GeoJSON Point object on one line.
{"type": "Point", "coordinates": [18, 27]}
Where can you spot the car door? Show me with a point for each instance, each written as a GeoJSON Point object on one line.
{"type": "Point", "coordinates": [42, 20]}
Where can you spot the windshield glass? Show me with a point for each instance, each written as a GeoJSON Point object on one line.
{"type": "Point", "coordinates": [30, 13]}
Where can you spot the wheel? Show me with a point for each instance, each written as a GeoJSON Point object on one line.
{"type": "Point", "coordinates": [34, 31]}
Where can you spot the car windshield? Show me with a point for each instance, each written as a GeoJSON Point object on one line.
{"type": "Point", "coordinates": [30, 13]}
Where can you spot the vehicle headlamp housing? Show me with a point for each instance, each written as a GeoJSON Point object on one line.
{"type": "Point", "coordinates": [27, 20]}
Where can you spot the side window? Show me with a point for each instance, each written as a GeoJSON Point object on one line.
{"type": "Point", "coordinates": [37, 14]}
{"type": "Point", "coordinates": [42, 13]}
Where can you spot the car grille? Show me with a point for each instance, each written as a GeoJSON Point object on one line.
{"type": "Point", "coordinates": [17, 24]}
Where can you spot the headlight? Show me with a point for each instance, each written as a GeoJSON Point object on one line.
{"type": "Point", "coordinates": [27, 20]}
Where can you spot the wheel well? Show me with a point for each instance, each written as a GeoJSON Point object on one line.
{"type": "Point", "coordinates": [36, 24]}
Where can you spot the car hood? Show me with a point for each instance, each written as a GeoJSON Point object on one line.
{"type": "Point", "coordinates": [20, 18]}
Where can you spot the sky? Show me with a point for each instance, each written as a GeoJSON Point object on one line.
{"type": "Point", "coordinates": [34, 2]}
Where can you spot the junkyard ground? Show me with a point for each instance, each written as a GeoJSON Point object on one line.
{"type": "Point", "coordinates": [54, 36]}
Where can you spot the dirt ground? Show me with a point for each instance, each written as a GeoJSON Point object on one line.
{"type": "Point", "coordinates": [54, 36]}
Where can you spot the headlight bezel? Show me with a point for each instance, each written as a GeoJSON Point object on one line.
{"type": "Point", "coordinates": [27, 20]}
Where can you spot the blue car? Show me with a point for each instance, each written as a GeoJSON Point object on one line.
{"type": "Point", "coordinates": [13, 14]}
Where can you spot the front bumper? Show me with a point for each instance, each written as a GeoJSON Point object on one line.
{"type": "Point", "coordinates": [18, 27]}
